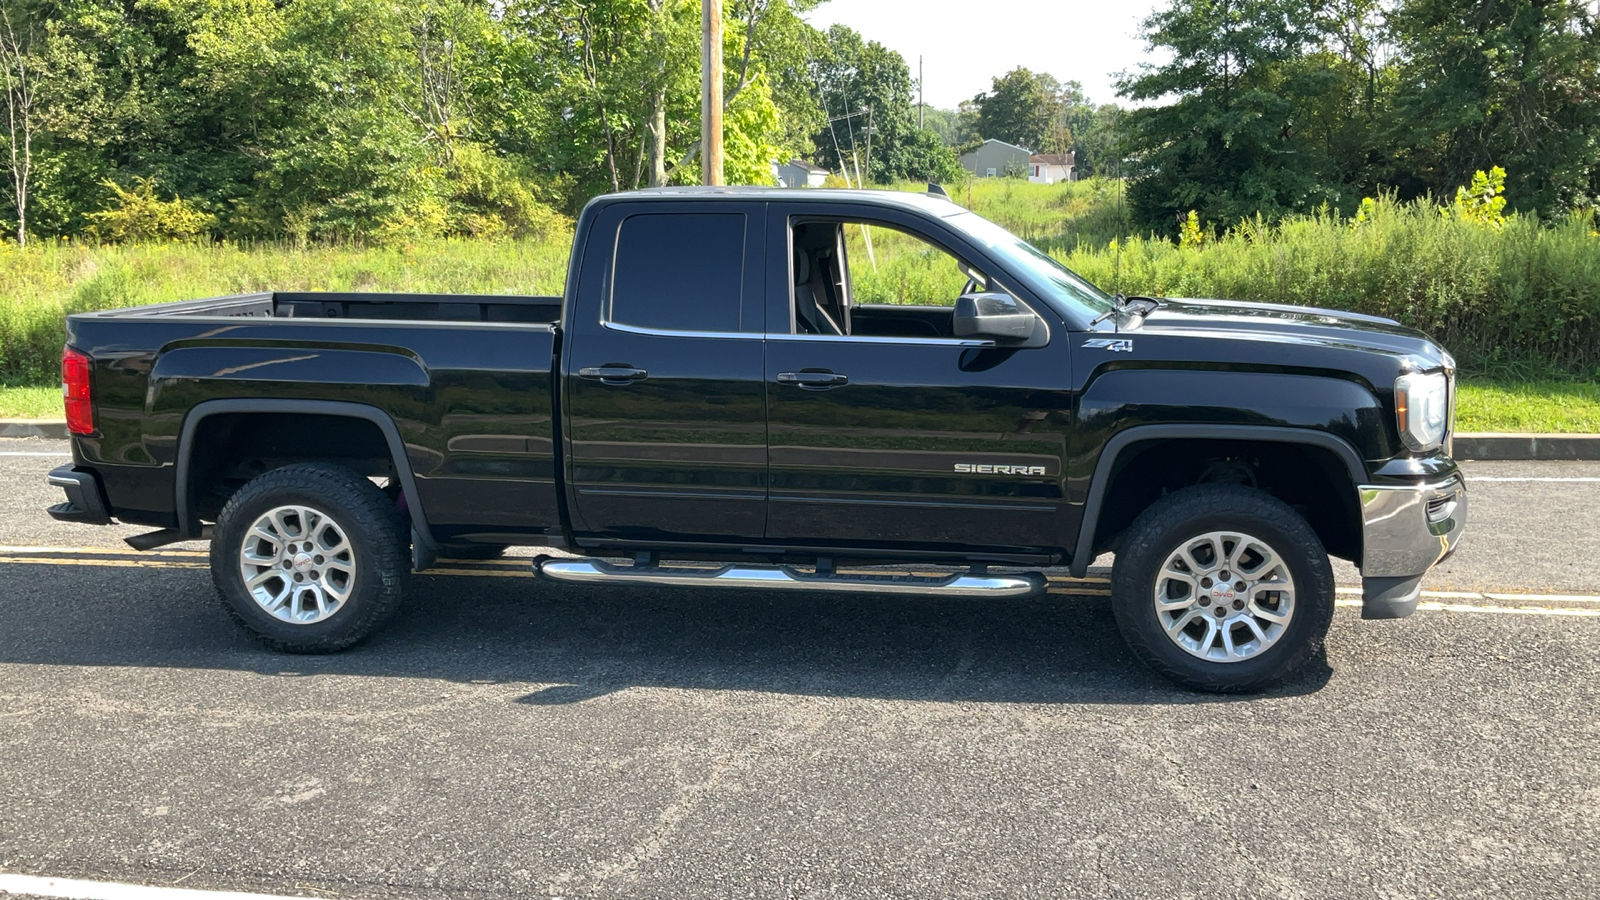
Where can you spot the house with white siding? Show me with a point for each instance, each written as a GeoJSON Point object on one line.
{"type": "Point", "coordinates": [1049, 168]}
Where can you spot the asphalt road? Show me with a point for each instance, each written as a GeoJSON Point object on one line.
{"type": "Point", "coordinates": [508, 738]}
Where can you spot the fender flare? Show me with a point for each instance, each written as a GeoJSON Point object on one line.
{"type": "Point", "coordinates": [1082, 554]}
{"type": "Point", "coordinates": [189, 525]}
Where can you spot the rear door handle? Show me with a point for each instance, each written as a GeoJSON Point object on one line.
{"type": "Point", "coordinates": [813, 380]}
{"type": "Point", "coordinates": [613, 374]}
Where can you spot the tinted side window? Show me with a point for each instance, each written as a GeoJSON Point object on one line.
{"type": "Point", "coordinates": [679, 271]}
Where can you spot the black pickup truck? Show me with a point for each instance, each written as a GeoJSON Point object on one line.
{"type": "Point", "coordinates": [710, 389]}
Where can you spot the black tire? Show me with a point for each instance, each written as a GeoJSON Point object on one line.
{"type": "Point", "coordinates": [472, 551]}
{"type": "Point", "coordinates": [358, 509]}
{"type": "Point", "coordinates": [1191, 513]}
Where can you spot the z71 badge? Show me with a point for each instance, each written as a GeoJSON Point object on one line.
{"type": "Point", "coordinates": [1115, 345]}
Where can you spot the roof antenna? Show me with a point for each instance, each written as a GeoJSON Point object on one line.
{"type": "Point", "coordinates": [937, 190]}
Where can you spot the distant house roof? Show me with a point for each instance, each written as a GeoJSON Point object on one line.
{"type": "Point", "coordinates": [802, 164]}
{"type": "Point", "coordinates": [1053, 159]}
{"type": "Point", "coordinates": [1003, 144]}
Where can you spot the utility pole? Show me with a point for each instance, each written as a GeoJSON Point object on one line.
{"type": "Point", "coordinates": [711, 91]}
{"type": "Point", "coordinates": [920, 104]}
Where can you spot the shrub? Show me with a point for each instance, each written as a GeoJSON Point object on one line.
{"type": "Point", "coordinates": [139, 215]}
{"type": "Point", "coordinates": [1518, 298]}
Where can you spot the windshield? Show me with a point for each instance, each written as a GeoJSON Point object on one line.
{"type": "Point", "coordinates": [1044, 275]}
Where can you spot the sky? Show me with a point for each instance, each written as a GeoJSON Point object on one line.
{"type": "Point", "coordinates": [964, 45]}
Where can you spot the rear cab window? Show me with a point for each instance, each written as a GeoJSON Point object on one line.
{"type": "Point", "coordinates": [679, 272]}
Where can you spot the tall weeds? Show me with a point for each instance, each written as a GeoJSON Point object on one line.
{"type": "Point", "coordinates": [1516, 298]}
{"type": "Point", "coordinates": [41, 285]}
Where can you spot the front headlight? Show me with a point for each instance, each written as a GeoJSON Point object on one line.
{"type": "Point", "coordinates": [1421, 408]}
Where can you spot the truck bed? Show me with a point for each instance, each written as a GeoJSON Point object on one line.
{"type": "Point", "coordinates": [456, 390]}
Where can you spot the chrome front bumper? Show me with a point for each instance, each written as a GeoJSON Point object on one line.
{"type": "Point", "coordinates": [1405, 530]}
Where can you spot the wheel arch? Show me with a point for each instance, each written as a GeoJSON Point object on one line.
{"type": "Point", "coordinates": [188, 516]}
{"type": "Point", "coordinates": [1125, 446]}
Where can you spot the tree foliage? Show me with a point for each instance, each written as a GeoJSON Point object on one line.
{"type": "Point", "coordinates": [863, 84]}
{"type": "Point", "coordinates": [375, 120]}
{"type": "Point", "coordinates": [1273, 106]}
{"type": "Point", "coordinates": [1036, 111]}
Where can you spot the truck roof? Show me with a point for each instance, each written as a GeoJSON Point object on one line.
{"type": "Point", "coordinates": [917, 201]}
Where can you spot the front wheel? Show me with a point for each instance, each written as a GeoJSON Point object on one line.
{"type": "Point", "coordinates": [308, 558]}
{"type": "Point", "coordinates": [1222, 588]}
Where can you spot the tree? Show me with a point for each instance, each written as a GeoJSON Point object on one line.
{"type": "Point", "coordinates": [1514, 83]}
{"type": "Point", "coordinates": [1018, 109]}
{"type": "Point", "coordinates": [21, 75]}
{"type": "Point", "coordinates": [1097, 139]}
{"type": "Point", "coordinates": [864, 84]}
{"type": "Point", "coordinates": [1226, 145]}
{"type": "Point", "coordinates": [1035, 110]}
{"type": "Point", "coordinates": [942, 122]}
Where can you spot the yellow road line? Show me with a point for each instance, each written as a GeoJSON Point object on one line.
{"type": "Point", "coordinates": [1485, 602]}
{"type": "Point", "coordinates": [114, 563]}
{"type": "Point", "coordinates": [90, 551]}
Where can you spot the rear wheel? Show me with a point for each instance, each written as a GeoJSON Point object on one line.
{"type": "Point", "coordinates": [1222, 588]}
{"type": "Point", "coordinates": [308, 558]}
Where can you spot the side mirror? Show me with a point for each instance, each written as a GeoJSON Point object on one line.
{"type": "Point", "coordinates": [993, 315]}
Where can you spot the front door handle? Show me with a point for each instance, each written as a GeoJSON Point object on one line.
{"type": "Point", "coordinates": [614, 374]}
{"type": "Point", "coordinates": [813, 379]}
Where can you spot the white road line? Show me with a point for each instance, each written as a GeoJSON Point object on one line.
{"type": "Point", "coordinates": [1500, 597]}
{"type": "Point", "coordinates": [1430, 606]}
{"type": "Point", "coordinates": [30, 453]}
{"type": "Point", "coordinates": [1497, 596]}
{"type": "Point", "coordinates": [74, 889]}
{"type": "Point", "coordinates": [1474, 479]}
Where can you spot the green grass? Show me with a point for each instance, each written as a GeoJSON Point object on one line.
{"type": "Point", "coordinates": [30, 402]}
{"type": "Point", "coordinates": [1540, 406]}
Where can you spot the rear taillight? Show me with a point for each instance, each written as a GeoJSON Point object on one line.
{"type": "Point", "coordinates": [75, 391]}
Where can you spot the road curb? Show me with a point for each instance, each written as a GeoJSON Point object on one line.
{"type": "Point", "coordinates": [36, 428]}
{"type": "Point", "coordinates": [1496, 447]}
{"type": "Point", "coordinates": [1483, 447]}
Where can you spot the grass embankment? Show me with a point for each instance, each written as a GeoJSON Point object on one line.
{"type": "Point", "coordinates": [1518, 304]}
{"type": "Point", "coordinates": [30, 402]}
{"type": "Point", "coordinates": [1571, 407]}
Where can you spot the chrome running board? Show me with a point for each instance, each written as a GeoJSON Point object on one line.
{"type": "Point", "coordinates": [956, 584]}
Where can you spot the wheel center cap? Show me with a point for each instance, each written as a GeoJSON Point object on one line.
{"type": "Point", "coordinates": [302, 562]}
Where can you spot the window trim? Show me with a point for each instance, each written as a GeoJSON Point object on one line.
{"type": "Point", "coordinates": [668, 332]}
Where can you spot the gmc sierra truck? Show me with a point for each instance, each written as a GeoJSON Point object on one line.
{"type": "Point", "coordinates": [711, 405]}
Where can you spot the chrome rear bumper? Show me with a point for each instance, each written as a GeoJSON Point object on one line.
{"type": "Point", "coordinates": [1406, 530]}
{"type": "Point", "coordinates": [84, 498]}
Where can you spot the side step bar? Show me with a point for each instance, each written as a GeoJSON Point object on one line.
{"type": "Point", "coordinates": [964, 585]}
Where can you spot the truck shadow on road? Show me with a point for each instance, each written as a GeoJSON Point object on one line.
{"type": "Point", "coordinates": [573, 644]}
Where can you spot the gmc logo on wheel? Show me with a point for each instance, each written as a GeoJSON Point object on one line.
{"type": "Point", "coordinates": [976, 469]}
